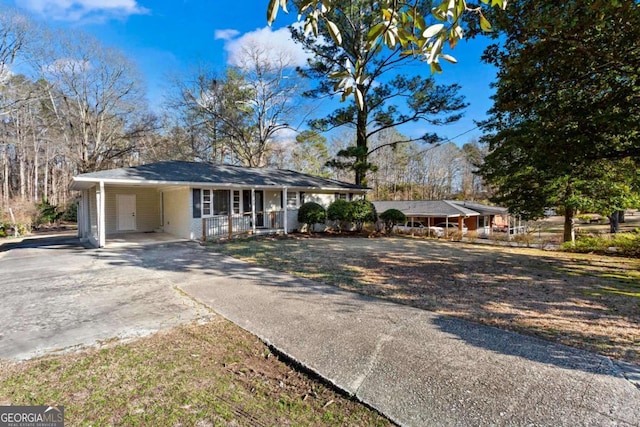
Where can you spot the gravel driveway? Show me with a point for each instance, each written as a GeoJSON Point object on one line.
{"type": "Point", "coordinates": [56, 295]}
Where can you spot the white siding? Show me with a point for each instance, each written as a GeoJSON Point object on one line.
{"type": "Point", "coordinates": [324, 199]}
{"type": "Point", "coordinates": [177, 212]}
{"type": "Point", "coordinates": [147, 208]}
{"type": "Point", "coordinates": [292, 220]}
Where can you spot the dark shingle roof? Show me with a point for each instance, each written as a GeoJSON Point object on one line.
{"type": "Point", "coordinates": [437, 208]}
{"type": "Point", "coordinates": [175, 172]}
{"type": "Point", "coordinates": [482, 209]}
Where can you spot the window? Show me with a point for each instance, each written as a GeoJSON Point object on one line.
{"type": "Point", "coordinates": [206, 202]}
{"type": "Point", "coordinates": [221, 202]}
{"type": "Point", "coordinates": [340, 196]}
{"type": "Point", "coordinates": [292, 199]}
{"type": "Point", "coordinates": [236, 201]}
{"type": "Point", "coordinates": [215, 202]}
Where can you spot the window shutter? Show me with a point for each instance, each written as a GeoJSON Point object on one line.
{"type": "Point", "coordinates": [197, 207]}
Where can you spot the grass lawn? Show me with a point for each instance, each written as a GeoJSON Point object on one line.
{"type": "Point", "coordinates": [193, 375]}
{"type": "Point", "coordinates": [582, 300]}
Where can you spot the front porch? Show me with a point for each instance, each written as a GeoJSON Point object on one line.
{"type": "Point", "coordinates": [257, 222]}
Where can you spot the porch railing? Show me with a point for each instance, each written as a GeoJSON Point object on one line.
{"type": "Point", "coordinates": [236, 224]}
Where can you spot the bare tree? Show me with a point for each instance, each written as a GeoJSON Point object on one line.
{"type": "Point", "coordinates": [95, 97]}
{"type": "Point", "coordinates": [244, 111]}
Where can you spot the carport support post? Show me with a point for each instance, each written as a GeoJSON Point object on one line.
{"type": "Point", "coordinates": [284, 209]}
{"type": "Point", "coordinates": [101, 219]}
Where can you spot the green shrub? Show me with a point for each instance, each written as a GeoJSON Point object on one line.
{"type": "Point", "coordinates": [46, 213]}
{"type": "Point", "coordinates": [627, 244]}
{"type": "Point", "coordinates": [391, 217]}
{"type": "Point", "coordinates": [70, 213]}
{"type": "Point", "coordinates": [363, 211]}
{"type": "Point", "coordinates": [311, 213]}
{"type": "Point", "coordinates": [340, 211]}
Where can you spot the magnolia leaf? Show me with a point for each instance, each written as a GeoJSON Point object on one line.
{"type": "Point", "coordinates": [272, 11]}
{"type": "Point", "coordinates": [390, 39]}
{"type": "Point", "coordinates": [359, 99]}
{"type": "Point", "coordinates": [484, 24]}
{"type": "Point", "coordinates": [308, 28]}
{"type": "Point", "coordinates": [449, 58]}
{"type": "Point", "coordinates": [436, 68]}
{"type": "Point", "coordinates": [376, 30]}
{"type": "Point", "coordinates": [440, 12]}
{"type": "Point", "coordinates": [432, 31]}
{"type": "Point", "coordinates": [334, 32]}
{"type": "Point", "coordinates": [283, 5]}
{"type": "Point", "coordinates": [361, 79]}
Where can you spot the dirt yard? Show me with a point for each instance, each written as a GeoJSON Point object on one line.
{"type": "Point", "coordinates": [586, 301]}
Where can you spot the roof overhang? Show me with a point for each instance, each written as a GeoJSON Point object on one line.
{"type": "Point", "coordinates": [439, 215]}
{"type": "Point", "coordinates": [84, 183]}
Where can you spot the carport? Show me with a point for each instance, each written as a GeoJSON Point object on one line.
{"type": "Point", "coordinates": [432, 212]}
{"type": "Point", "coordinates": [120, 212]}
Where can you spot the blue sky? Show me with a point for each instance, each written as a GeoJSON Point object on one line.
{"type": "Point", "coordinates": [167, 38]}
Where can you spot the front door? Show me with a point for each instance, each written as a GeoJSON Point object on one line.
{"type": "Point", "coordinates": [259, 208]}
{"type": "Point", "coordinates": [126, 205]}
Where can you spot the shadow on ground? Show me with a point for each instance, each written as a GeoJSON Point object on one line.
{"type": "Point", "coordinates": [442, 270]}
{"type": "Point", "coordinates": [66, 241]}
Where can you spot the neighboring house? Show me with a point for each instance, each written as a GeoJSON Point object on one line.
{"type": "Point", "coordinates": [198, 200]}
{"type": "Point", "coordinates": [475, 216]}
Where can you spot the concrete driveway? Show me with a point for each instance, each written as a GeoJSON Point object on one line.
{"type": "Point", "coordinates": [416, 367]}
{"type": "Point", "coordinates": [56, 295]}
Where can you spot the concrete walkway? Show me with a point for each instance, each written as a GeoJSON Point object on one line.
{"type": "Point", "coordinates": [416, 367]}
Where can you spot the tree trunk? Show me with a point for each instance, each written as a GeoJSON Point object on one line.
{"type": "Point", "coordinates": [23, 177]}
{"type": "Point", "coordinates": [568, 234]}
{"type": "Point", "coordinates": [360, 165]}
{"type": "Point", "coordinates": [621, 219]}
{"type": "Point", "coordinates": [5, 175]}
{"type": "Point", "coordinates": [614, 222]}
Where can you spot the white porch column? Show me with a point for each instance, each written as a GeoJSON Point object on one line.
{"type": "Point", "coordinates": [86, 215]}
{"type": "Point", "coordinates": [101, 219]}
{"type": "Point", "coordinates": [82, 220]}
{"type": "Point", "coordinates": [284, 208]}
{"type": "Point", "coordinates": [253, 209]}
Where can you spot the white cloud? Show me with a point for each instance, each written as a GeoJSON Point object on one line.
{"type": "Point", "coordinates": [226, 34]}
{"type": "Point", "coordinates": [75, 10]}
{"type": "Point", "coordinates": [277, 42]}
